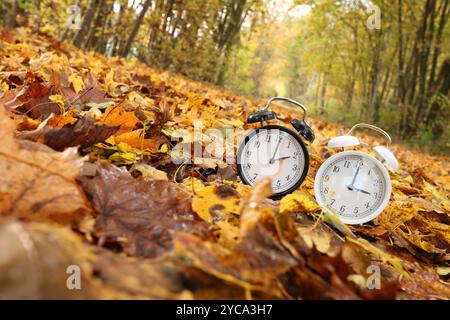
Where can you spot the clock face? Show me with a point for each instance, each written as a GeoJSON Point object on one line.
{"type": "Point", "coordinates": [354, 185]}
{"type": "Point", "coordinates": [273, 151]}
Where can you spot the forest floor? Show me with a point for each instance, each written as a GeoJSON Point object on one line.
{"type": "Point", "coordinates": [87, 180]}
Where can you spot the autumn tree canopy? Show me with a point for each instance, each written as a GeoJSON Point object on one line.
{"type": "Point", "coordinates": [382, 62]}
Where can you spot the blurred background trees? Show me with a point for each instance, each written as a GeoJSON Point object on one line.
{"type": "Point", "coordinates": [336, 56]}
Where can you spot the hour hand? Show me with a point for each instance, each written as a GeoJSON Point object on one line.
{"type": "Point", "coordinates": [361, 190]}
{"type": "Point", "coordinates": [282, 158]}
{"type": "Point", "coordinates": [352, 188]}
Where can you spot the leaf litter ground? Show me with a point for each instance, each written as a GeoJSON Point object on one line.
{"type": "Point", "coordinates": [87, 179]}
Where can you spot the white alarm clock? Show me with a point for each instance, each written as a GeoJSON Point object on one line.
{"type": "Point", "coordinates": [275, 151]}
{"type": "Point", "coordinates": [354, 184]}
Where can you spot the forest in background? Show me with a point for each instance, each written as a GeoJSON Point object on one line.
{"type": "Point", "coordinates": [383, 62]}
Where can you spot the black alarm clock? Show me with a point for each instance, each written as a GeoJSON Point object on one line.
{"type": "Point", "coordinates": [275, 151]}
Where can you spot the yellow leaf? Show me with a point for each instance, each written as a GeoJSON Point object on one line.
{"type": "Point", "coordinates": [111, 140]}
{"type": "Point", "coordinates": [136, 140]}
{"type": "Point", "coordinates": [440, 196]}
{"type": "Point", "coordinates": [295, 202]}
{"type": "Point", "coordinates": [77, 82]}
{"type": "Point", "coordinates": [192, 185]}
{"type": "Point", "coordinates": [443, 271]}
{"type": "Point", "coordinates": [164, 148]}
{"type": "Point", "coordinates": [119, 116]}
{"type": "Point", "coordinates": [125, 157]}
{"type": "Point", "coordinates": [58, 99]}
{"type": "Point", "coordinates": [150, 172]}
{"type": "Point", "coordinates": [210, 200]}
{"type": "Point", "coordinates": [4, 87]}
{"type": "Point", "coordinates": [315, 237]}
{"type": "Point", "coordinates": [358, 279]}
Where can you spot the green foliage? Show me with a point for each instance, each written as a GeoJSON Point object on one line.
{"type": "Point", "coordinates": [425, 140]}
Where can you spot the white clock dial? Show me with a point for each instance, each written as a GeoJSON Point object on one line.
{"type": "Point", "coordinates": [354, 185]}
{"type": "Point", "coordinates": [273, 151]}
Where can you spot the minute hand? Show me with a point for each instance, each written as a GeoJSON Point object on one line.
{"type": "Point", "coordinates": [352, 185]}
{"type": "Point", "coordinates": [272, 160]}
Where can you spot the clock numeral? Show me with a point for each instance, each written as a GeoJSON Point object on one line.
{"type": "Point", "coordinates": [347, 164]}
{"type": "Point", "coordinates": [368, 173]}
{"type": "Point", "coordinates": [295, 155]}
{"type": "Point", "coordinates": [356, 210]}
{"type": "Point", "coordinates": [327, 177]}
{"type": "Point", "coordinates": [288, 177]}
{"type": "Point", "coordinates": [367, 205]}
{"type": "Point", "coordinates": [325, 190]}
{"type": "Point", "coordinates": [248, 153]}
{"type": "Point", "coordinates": [295, 167]}
{"type": "Point", "coordinates": [278, 183]}
{"type": "Point", "coordinates": [336, 169]}
{"type": "Point", "coordinates": [332, 201]}
{"type": "Point", "coordinates": [255, 176]}
{"type": "Point", "coordinates": [257, 144]}
{"type": "Point", "coordinates": [268, 138]}
{"type": "Point", "coordinates": [289, 144]}
{"type": "Point", "coordinates": [342, 209]}
{"type": "Point", "coordinates": [248, 166]}
{"type": "Point", "coordinates": [375, 195]}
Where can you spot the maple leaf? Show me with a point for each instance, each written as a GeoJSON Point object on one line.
{"type": "Point", "coordinates": [141, 214]}
{"type": "Point", "coordinates": [38, 183]}
{"type": "Point", "coordinates": [213, 202]}
{"type": "Point", "coordinates": [84, 133]}
{"type": "Point", "coordinates": [120, 116]}
{"type": "Point", "coordinates": [33, 99]}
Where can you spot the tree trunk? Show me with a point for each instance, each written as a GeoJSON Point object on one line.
{"type": "Point", "coordinates": [435, 112]}
{"type": "Point", "coordinates": [136, 26]}
{"type": "Point", "coordinates": [437, 44]}
{"type": "Point", "coordinates": [427, 36]}
{"type": "Point", "coordinates": [99, 21]}
{"type": "Point", "coordinates": [323, 93]}
{"type": "Point", "coordinates": [86, 24]}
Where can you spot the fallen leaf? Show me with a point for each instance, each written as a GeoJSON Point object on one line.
{"type": "Point", "coordinates": [38, 184]}
{"type": "Point", "coordinates": [136, 140]}
{"type": "Point", "coordinates": [84, 133]}
{"type": "Point", "coordinates": [212, 203]}
{"type": "Point", "coordinates": [119, 116]}
{"type": "Point", "coordinates": [298, 202]}
{"type": "Point", "coordinates": [140, 214]}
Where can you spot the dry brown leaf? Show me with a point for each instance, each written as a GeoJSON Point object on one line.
{"type": "Point", "coordinates": [37, 184]}
{"type": "Point", "coordinates": [140, 214]}
{"type": "Point", "coordinates": [83, 133]}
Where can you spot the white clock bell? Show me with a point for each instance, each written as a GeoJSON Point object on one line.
{"type": "Point", "coordinates": [354, 184]}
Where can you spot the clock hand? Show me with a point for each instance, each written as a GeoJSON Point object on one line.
{"type": "Point", "coordinates": [352, 185]}
{"type": "Point", "coordinates": [360, 190]}
{"type": "Point", "coordinates": [271, 161]}
{"type": "Point", "coordinates": [282, 158]}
